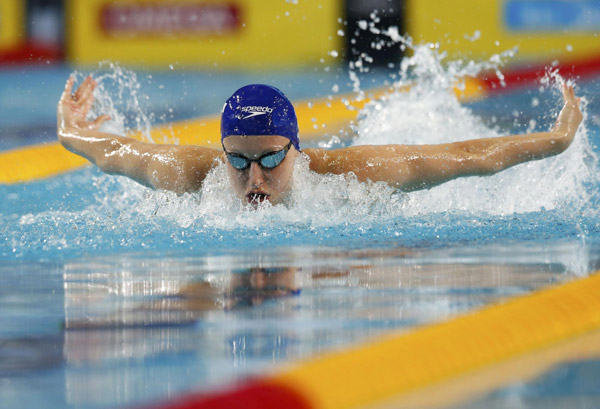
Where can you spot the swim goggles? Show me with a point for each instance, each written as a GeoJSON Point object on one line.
{"type": "Point", "coordinates": [269, 160]}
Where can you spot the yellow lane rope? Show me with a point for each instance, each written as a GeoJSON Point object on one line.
{"type": "Point", "coordinates": [380, 373]}
{"type": "Point", "coordinates": [315, 119]}
{"type": "Point", "coordinates": [469, 386]}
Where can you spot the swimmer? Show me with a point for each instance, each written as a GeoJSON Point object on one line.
{"type": "Point", "coordinates": [259, 135]}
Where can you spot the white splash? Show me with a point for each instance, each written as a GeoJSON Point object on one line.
{"type": "Point", "coordinates": [315, 201]}
{"type": "Point", "coordinates": [430, 113]}
{"type": "Point", "coordinates": [118, 95]}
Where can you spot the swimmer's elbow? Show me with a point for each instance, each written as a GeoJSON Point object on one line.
{"type": "Point", "coordinates": [119, 158]}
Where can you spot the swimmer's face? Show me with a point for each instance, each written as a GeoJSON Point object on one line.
{"type": "Point", "coordinates": [256, 184]}
{"type": "Point", "coordinates": [260, 284]}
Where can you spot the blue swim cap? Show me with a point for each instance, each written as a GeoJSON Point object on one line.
{"type": "Point", "coordinates": [259, 110]}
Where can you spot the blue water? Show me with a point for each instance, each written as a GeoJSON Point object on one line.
{"type": "Point", "coordinates": [112, 295]}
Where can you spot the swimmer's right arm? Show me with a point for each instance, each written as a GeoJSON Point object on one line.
{"type": "Point", "coordinates": [413, 167]}
{"type": "Point", "coordinates": [168, 167]}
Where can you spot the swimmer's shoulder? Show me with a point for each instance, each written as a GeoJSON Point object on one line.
{"type": "Point", "coordinates": [349, 159]}
{"type": "Point", "coordinates": [202, 153]}
{"type": "Point", "coordinates": [335, 161]}
{"type": "Point", "coordinates": [191, 165]}
{"type": "Point", "coordinates": [201, 160]}
{"type": "Point", "coordinates": [318, 159]}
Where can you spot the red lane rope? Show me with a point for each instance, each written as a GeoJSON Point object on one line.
{"type": "Point", "coordinates": [252, 395]}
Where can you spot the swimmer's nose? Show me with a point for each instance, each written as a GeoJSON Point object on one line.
{"type": "Point", "coordinates": [256, 175]}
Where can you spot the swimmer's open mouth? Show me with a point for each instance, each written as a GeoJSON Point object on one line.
{"type": "Point", "coordinates": [257, 197]}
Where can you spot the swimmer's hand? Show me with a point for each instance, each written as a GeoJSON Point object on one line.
{"type": "Point", "coordinates": [73, 108]}
{"type": "Point", "coordinates": [569, 118]}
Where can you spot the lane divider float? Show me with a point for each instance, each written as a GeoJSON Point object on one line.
{"type": "Point", "coordinates": [380, 373]}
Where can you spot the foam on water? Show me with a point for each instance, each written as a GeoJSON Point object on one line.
{"type": "Point", "coordinates": [315, 201]}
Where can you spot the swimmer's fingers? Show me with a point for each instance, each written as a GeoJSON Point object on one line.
{"type": "Point", "coordinates": [86, 103]}
{"type": "Point", "coordinates": [84, 96]}
{"type": "Point", "coordinates": [99, 121]}
{"type": "Point", "coordinates": [566, 91]}
{"type": "Point", "coordinates": [67, 111]}
{"type": "Point", "coordinates": [569, 95]}
{"type": "Point", "coordinates": [67, 93]}
{"type": "Point", "coordinates": [78, 99]}
{"type": "Point", "coordinates": [82, 90]}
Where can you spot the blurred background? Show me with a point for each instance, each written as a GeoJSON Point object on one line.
{"type": "Point", "coordinates": [198, 51]}
{"type": "Point", "coordinates": [276, 34]}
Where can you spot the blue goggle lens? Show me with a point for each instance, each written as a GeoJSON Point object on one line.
{"type": "Point", "coordinates": [268, 161]}
{"type": "Point", "coordinates": [238, 162]}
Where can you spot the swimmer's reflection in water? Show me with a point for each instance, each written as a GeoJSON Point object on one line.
{"type": "Point", "coordinates": [189, 320]}
{"type": "Point", "coordinates": [245, 288]}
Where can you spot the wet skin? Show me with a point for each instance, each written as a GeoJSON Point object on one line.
{"type": "Point", "coordinates": [255, 184]}
{"type": "Point", "coordinates": [183, 168]}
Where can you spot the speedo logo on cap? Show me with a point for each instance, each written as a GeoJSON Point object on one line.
{"type": "Point", "coordinates": [254, 110]}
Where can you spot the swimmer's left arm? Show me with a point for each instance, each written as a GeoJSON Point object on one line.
{"type": "Point", "coordinates": [422, 166]}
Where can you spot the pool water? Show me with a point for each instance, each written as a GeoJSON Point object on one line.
{"type": "Point", "coordinates": [112, 295]}
{"type": "Point", "coordinates": [128, 329]}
